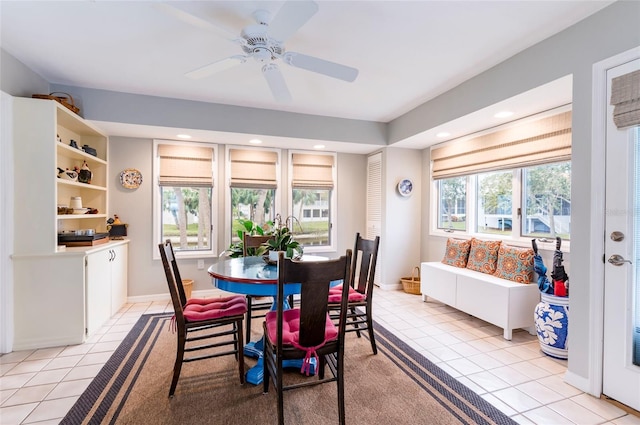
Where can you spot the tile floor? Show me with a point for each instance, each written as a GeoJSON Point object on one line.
{"type": "Point", "coordinates": [40, 386]}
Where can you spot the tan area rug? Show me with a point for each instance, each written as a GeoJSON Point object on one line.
{"type": "Point", "coordinates": [397, 386]}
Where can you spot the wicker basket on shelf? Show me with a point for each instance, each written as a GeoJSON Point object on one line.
{"type": "Point", "coordinates": [65, 99]}
{"type": "Point", "coordinates": [411, 284]}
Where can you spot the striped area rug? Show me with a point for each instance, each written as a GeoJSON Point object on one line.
{"type": "Point", "coordinates": [397, 386]}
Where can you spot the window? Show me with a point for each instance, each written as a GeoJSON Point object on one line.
{"type": "Point", "coordinates": [452, 201]}
{"type": "Point", "coordinates": [494, 202]}
{"type": "Point", "coordinates": [253, 177]}
{"type": "Point", "coordinates": [183, 210]}
{"type": "Point", "coordinates": [547, 200]}
{"type": "Point", "coordinates": [313, 199]}
{"type": "Point", "coordinates": [514, 182]}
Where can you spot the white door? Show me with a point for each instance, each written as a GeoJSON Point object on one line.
{"type": "Point", "coordinates": [621, 354]}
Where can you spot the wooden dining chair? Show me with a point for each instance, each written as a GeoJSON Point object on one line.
{"type": "Point", "coordinates": [256, 306]}
{"type": "Point", "coordinates": [307, 332]}
{"type": "Point", "coordinates": [207, 325]}
{"type": "Point", "coordinates": [363, 270]}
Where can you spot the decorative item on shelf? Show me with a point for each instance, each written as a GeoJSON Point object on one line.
{"type": "Point", "coordinates": [405, 187]}
{"type": "Point", "coordinates": [116, 229]}
{"type": "Point", "coordinates": [67, 174]}
{"type": "Point", "coordinates": [75, 202]}
{"type": "Point", "coordinates": [88, 149]}
{"type": "Point", "coordinates": [58, 138]}
{"type": "Point", "coordinates": [131, 178]}
{"type": "Point", "coordinates": [73, 144]}
{"type": "Point", "coordinates": [65, 99]}
{"type": "Point", "coordinates": [84, 175]}
{"type": "Point", "coordinates": [411, 284]}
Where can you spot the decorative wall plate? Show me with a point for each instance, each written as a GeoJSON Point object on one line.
{"type": "Point", "coordinates": [405, 187]}
{"type": "Point", "coordinates": [131, 178]}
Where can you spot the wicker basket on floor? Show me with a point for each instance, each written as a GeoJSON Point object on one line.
{"type": "Point", "coordinates": [411, 284]}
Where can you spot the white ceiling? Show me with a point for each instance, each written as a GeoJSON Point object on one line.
{"type": "Point", "coordinates": [407, 52]}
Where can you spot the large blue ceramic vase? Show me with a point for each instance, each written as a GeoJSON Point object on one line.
{"type": "Point", "coordinates": [552, 325]}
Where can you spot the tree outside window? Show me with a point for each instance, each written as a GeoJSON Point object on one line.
{"type": "Point", "coordinates": [452, 199]}
{"type": "Point", "coordinates": [547, 199]}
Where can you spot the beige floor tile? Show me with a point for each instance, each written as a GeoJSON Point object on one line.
{"type": "Point", "coordinates": [50, 409]}
{"type": "Point", "coordinates": [510, 375]}
{"type": "Point", "coordinates": [545, 416]}
{"type": "Point", "coordinates": [63, 362]}
{"type": "Point", "coordinates": [69, 388]}
{"type": "Point", "coordinates": [29, 395]}
{"type": "Point", "coordinates": [501, 405]}
{"type": "Point", "coordinates": [49, 377]}
{"type": "Point", "coordinates": [6, 367]}
{"type": "Point", "coordinates": [45, 353]}
{"type": "Point", "coordinates": [600, 407]}
{"type": "Point", "coordinates": [15, 415]}
{"type": "Point", "coordinates": [28, 366]}
{"type": "Point", "coordinates": [95, 358]}
{"type": "Point", "coordinates": [540, 392]}
{"type": "Point", "coordinates": [8, 382]}
{"type": "Point", "coordinates": [576, 413]}
{"type": "Point", "coordinates": [82, 372]}
{"type": "Point", "coordinates": [516, 399]}
{"type": "Point", "coordinates": [488, 381]}
{"type": "Point", "coordinates": [5, 394]}
{"type": "Point", "coordinates": [15, 356]}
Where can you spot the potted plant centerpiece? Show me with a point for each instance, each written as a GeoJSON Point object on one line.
{"type": "Point", "coordinates": [237, 249]}
{"type": "Point", "coordinates": [282, 239]}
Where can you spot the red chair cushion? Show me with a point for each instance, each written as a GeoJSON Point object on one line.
{"type": "Point", "coordinates": [335, 295]}
{"type": "Point", "coordinates": [214, 308]}
{"type": "Point", "coordinates": [291, 334]}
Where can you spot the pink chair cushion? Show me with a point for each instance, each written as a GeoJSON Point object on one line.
{"type": "Point", "coordinates": [335, 295]}
{"type": "Point", "coordinates": [214, 308]}
{"type": "Point", "coordinates": [291, 333]}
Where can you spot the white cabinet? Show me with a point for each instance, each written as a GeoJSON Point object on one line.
{"type": "Point", "coordinates": [106, 284]}
{"type": "Point", "coordinates": [60, 297]}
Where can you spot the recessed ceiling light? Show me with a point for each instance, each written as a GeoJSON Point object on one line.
{"type": "Point", "coordinates": [443, 134]}
{"type": "Point", "coordinates": [318, 146]}
{"type": "Point", "coordinates": [183, 136]}
{"type": "Point", "coordinates": [255, 141]}
{"type": "Point", "coordinates": [503, 114]}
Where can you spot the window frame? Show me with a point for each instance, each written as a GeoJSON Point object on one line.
{"type": "Point", "coordinates": [333, 200]}
{"type": "Point", "coordinates": [157, 202]}
{"type": "Point", "coordinates": [277, 202]}
{"type": "Point", "coordinates": [515, 237]}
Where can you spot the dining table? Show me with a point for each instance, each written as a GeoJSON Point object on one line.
{"type": "Point", "coordinates": [256, 276]}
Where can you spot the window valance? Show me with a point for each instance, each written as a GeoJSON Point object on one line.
{"type": "Point", "coordinates": [185, 166]}
{"type": "Point", "coordinates": [312, 170]}
{"type": "Point", "coordinates": [253, 168]}
{"type": "Point", "coordinates": [625, 97]}
{"type": "Point", "coordinates": [538, 142]}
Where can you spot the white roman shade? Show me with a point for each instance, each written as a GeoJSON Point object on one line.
{"type": "Point", "coordinates": [538, 142]}
{"type": "Point", "coordinates": [312, 170]}
{"type": "Point", "coordinates": [253, 168]}
{"type": "Point", "coordinates": [625, 98]}
{"type": "Point", "coordinates": [185, 166]}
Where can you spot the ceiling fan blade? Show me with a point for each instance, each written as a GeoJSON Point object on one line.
{"type": "Point", "coordinates": [218, 66]}
{"type": "Point", "coordinates": [321, 66]}
{"type": "Point", "coordinates": [198, 22]}
{"type": "Point", "coordinates": [276, 83]}
{"type": "Point", "coordinates": [291, 16]}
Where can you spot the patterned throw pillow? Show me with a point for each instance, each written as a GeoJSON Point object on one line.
{"type": "Point", "coordinates": [457, 252]}
{"type": "Point", "coordinates": [515, 264]}
{"type": "Point", "coordinates": [483, 256]}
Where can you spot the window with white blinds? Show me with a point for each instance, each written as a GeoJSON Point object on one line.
{"type": "Point", "coordinates": [374, 206]}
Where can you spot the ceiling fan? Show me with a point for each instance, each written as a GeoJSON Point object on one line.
{"type": "Point", "coordinates": [264, 43]}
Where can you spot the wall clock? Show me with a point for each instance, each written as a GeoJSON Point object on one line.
{"type": "Point", "coordinates": [131, 178]}
{"type": "Point", "coordinates": [405, 187]}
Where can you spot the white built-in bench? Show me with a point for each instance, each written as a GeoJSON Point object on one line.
{"type": "Point", "coordinates": [506, 304]}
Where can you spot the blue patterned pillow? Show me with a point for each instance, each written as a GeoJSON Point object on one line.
{"type": "Point", "coordinates": [515, 264]}
{"type": "Point", "coordinates": [457, 252]}
{"type": "Point", "coordinates": [483, 256]}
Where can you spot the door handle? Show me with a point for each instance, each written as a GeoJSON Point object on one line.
{"type": "Point", "coordinates": [618, 260]}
